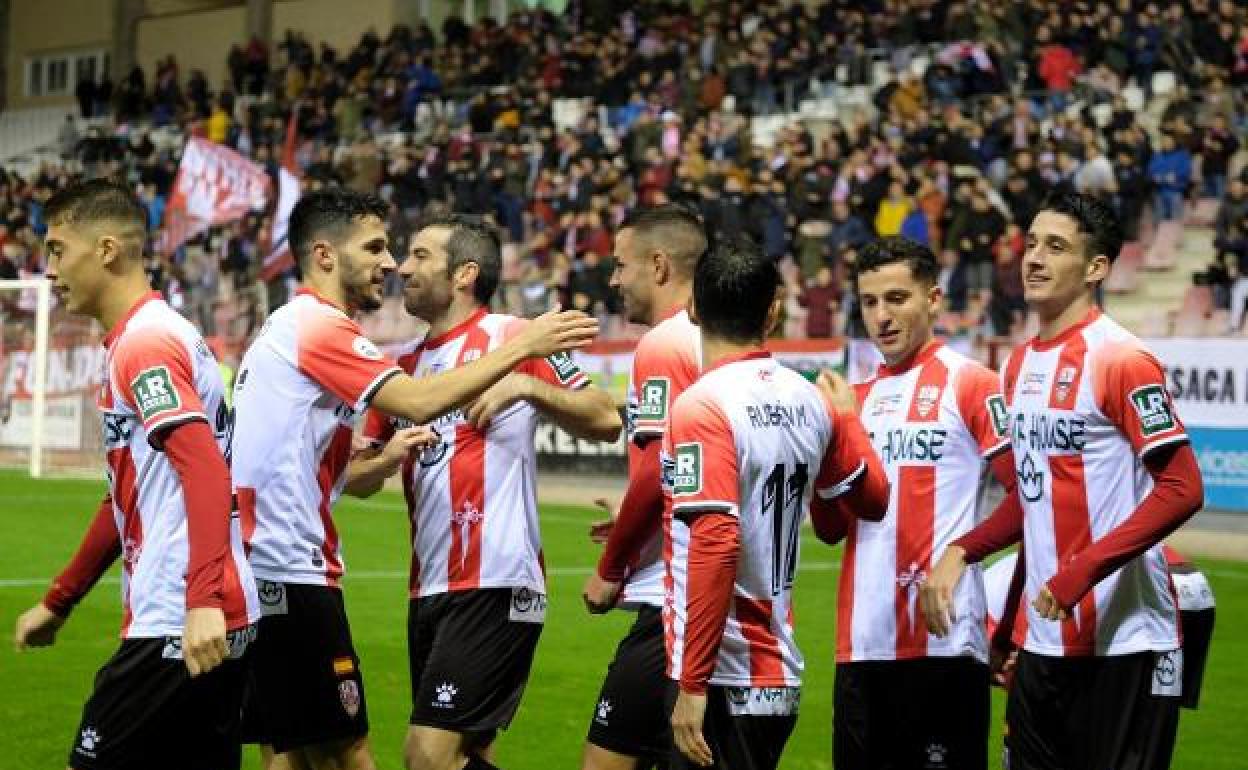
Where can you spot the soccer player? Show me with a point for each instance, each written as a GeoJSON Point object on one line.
{"type": "Point", "coordinates": [747, 446]}
{"type": "Point", "coordinates": [170, 695]}
{"type": "Point", "coordinates": [937, 421]}
{"type": "Point", "coordinates": [302, 388]}
{"type": "Point", "coordinates": [656, 250]}
{"type": "Point", "coordinates": [477, 588]}
{"type": "Point", "coordinates": [1104, 472]}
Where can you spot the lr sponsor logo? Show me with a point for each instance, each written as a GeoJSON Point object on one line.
{"type": "Point", "coordinates": [653, 406]}
{"type": "Point", "coordinates": [154, 392]}
{"type": "Point", "coordinates": [1153, 408]}
{"type": "Point", "coordinates": [1030, 480]}
{"type": "Point", "coordinates": [687, 474]}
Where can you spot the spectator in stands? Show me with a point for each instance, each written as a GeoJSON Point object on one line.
{"type": "Point", "coordinates": [84, 92]}
{"type": "Point", "coordinates": [1233, 208]}
{"type": "Point", "coordinates": [1218, 145]}
{"type": "Point", "coordinates": [822, 299]}
{"type": "Point", "coordinates": [1232, 249]}
{"type": "Point", "coordinates": [1171, 171]}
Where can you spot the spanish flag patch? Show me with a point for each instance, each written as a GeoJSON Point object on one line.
{"type": "Point", "coordinates": [344, 666]}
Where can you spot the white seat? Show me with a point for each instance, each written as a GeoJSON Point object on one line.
{"type": "Point", "coordinates": [1163, 83]}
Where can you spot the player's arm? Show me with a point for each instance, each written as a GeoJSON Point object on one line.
{"type": "Point", "coordinates": [100, 547]}
{"type": "Point", "coordinates": [1130, 390]}
{"type": "Point", "coordinates": [370, 467]}
{"type": "Point", "coordinates": [640, 515]}
{"type": "Point", "coordinates": [852, 482]}
{"type": "Point", "coordinates": [422, 400]}
{"type": "Point", "coordinates": [586, 412]}
{"type": "Point", "coordinates": [706, 496]}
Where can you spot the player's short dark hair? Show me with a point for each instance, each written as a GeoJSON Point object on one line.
{"type": "Point", "coordinates": [472, 239]}
{"type": "Point", "coordinates": [734, 286]}
{"type": "Point", "coordinates": [674, 228]}
{"type": "Point", "coordinates": [96, 201]}
{"type": "Point", "coordinates": [894, 249]}
{"type": "Point", "coordinates": [1099, 223]}
{"type": "Point", "coordinates": [328, 213]}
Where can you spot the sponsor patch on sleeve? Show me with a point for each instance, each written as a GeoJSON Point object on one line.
{"type": "Point", "coordinates": [565, 368]}
{"type": "Point", "coordinates": [1153, 407]}
{"type": "Point", "coordinates": [154, 393]}
{"type": "Point", "coordinates": [652, 403]}
{"type": "Point", "coordinates": [999, 414]}
{"type": "Point", "coordinates": [687, 471]}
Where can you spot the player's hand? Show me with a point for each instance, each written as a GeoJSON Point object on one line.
{"type": "Point", "coordinates": [837, 392]}
{"type": "Point", "coordinates": [1047, 607]}
{"type": "Point", "coordinates": [600, 595]}
{"type": "Point", "coordinates": [507, 391]}
{"type": "Point", "coordinates": [203, 640]}
{"type": "Point", "coordinates": [936, 593]}
{"type": "Point", "coordinates": [1001, 662]}
{"type": "Point", "coordinates": [408, 440]}
{"type": "Point", "coordinates": [600, 531]}
{"type": "Point", "coordinates": [556, 332]}
{"type": "Point", "coordinates": [687, 717]}
{"type": "Point", "coordinates": [37, 627]}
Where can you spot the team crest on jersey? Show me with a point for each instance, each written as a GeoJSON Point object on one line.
{"type": "Point", "coordinates": [154, 393]}
{"type": "Point", "coordinates": [687, 469]}
{"type": "Point", "coordinates": [349, 694]}
{"type": "Point", "coordinates": [926, 399]}
{"type": "Point", "coordinates": [1065, 379]}
{"type": "Point", "coordinates": [1153, 407]}
{"type": "Point", "coordinates": [652, 404]}
{"type": "Point", "coordinates": [999, 414]}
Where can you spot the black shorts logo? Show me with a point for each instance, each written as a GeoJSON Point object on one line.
{"type": "Point", "coordinates": [349, 694]}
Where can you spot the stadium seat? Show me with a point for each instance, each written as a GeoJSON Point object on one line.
{"type": "Point", "coordinates": [1194, 312]}
{"type": "Point", "coordinates": [1202, 213]}
{"type": "Point", "coordinates": [1163, 253]}
{"type": "Point", "coordinates": [1124, 278]}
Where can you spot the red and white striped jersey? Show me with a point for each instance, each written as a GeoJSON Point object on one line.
{"type": "Point", "coordinates": [754, 440]}
{"type": "Point", "coordinates": [472, 500]}
{"type": "Point", "coordinates": [667, 360]}
{"type": "Point", "coordinates": [161, 374]}
{"type": "Point", "coordinates": [1085, 407]}
{"type": "Point", "coordinates": [301, 389]}
{"type": "Point", "coordinates": [935, 423]}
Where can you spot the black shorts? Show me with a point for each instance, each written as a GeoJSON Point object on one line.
{"type": "Point", "coordinates": [305, 687]}
{"type": "Point", "coordinates": [924, 713]}
{"type": "Point", "coordinates": [625, 719]}
{"type": "Point", "coordinates": [1091, 713]}
{"type": "Point", "coordinates": [740, 740]}
{"type": "Point", "coordinates": [469, 655]}
{"type": "Point", "coordinates": [147, 712]}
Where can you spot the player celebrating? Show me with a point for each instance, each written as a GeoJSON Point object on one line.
{"type": "Point", "coordinates": [478, 592]}
{"type": "Point", "coordinates": [937, 420]}
{"type": "Point", "coordinates": [1104, 473]}
{"type": "Point", "coordinates": [656, 250]}
{"type": "Point", "coordinates": [747, 446]}
{"type": "Point", "coordinates": [170, 695]}
{"type": "Point", "coordinates": [302, 387]}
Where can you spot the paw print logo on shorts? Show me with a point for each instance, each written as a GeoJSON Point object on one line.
{"type": "Point", "coordinates": [604, 710]}
{"type": "Point", "coordinates": [89, 739]}
{"type": "Point", "coordinates": [445, 693]}
{"type": "Point", "coordinates": [936, 755]}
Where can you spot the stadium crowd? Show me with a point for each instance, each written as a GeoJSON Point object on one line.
{"type": "Point", "coordinates": [961, 137]}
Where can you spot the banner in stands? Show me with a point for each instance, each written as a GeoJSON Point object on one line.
{"type": "Point", "coordinates": [1208, 379]}
{"type": "Point", "coordinates": [73, 373]}
{"type": "Point", "coordinates": [608, 365]}
{"type": "Point", "coordinates": [215, 185]}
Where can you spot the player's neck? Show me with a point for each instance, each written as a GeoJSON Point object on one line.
{"type": "Point", "coordinates": [716, 349]}
{"type": "Point", "coordinates": [329, 288]}
{"type": "Point", "coordinates": [120, 298]}
{"type": "Point", "coordinates": [1053, 326]}
{"type": "Point", "coordinates": [455, 315]}
{"type": "Point", "coordinates": [668, 298]}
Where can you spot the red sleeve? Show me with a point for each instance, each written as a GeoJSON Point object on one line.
{"type": "Point", "coordinates": [559, 370]}
{"type": "Point", "coordinates": [1004, 527]}
{"type": "Point", "coordinates": [1177, 494]}
{"type": "Point", "coordinates": [848, 457]}
{"type": "Point", "coordinates": [983, 408]}
{"type": "Point", "coordinates": [1130, 389]}
{"type": "Point", "coordinates": [335, 353]}
{"type": "Point", "coordinates": [663, 367]}
{"type": "Point", "coordinates": [640, 517]}
{"type": "Point", "coordinates": [830, 519]}
{"type": "Point", "coordinates": [714, 545]}
{"type": "Point", "coordinates": [193, 452]}
{"type": "Point", "coordinates": [153, 371]}
{"type": "Point", "coordinates": [378, 428]}
{"type": "Point", "coordinates": [704, 457]}
{"type": "Point", "coordinates": [100, 547]}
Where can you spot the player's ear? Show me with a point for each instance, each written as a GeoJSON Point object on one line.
{"type": "Point", "coordinates": [323, 255]}
{"type": "Point", "coordinates": [692, 310]}
{"type": "Point", "coordinates": [107, 250]}
{"type": "Point", "coordinates": [466, 275]}
{"type": "Point", "coordinates": [935, 298]}
{"type": "Point", "coordinates": [774, 314]}
{"type": "Point", "coordinates": [1097, 269]}
{"type": "Point", "coordinates": [661, 263]}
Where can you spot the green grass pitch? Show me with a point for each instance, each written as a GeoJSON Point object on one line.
{"type": "Point", "coordinates": [43, 690]}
